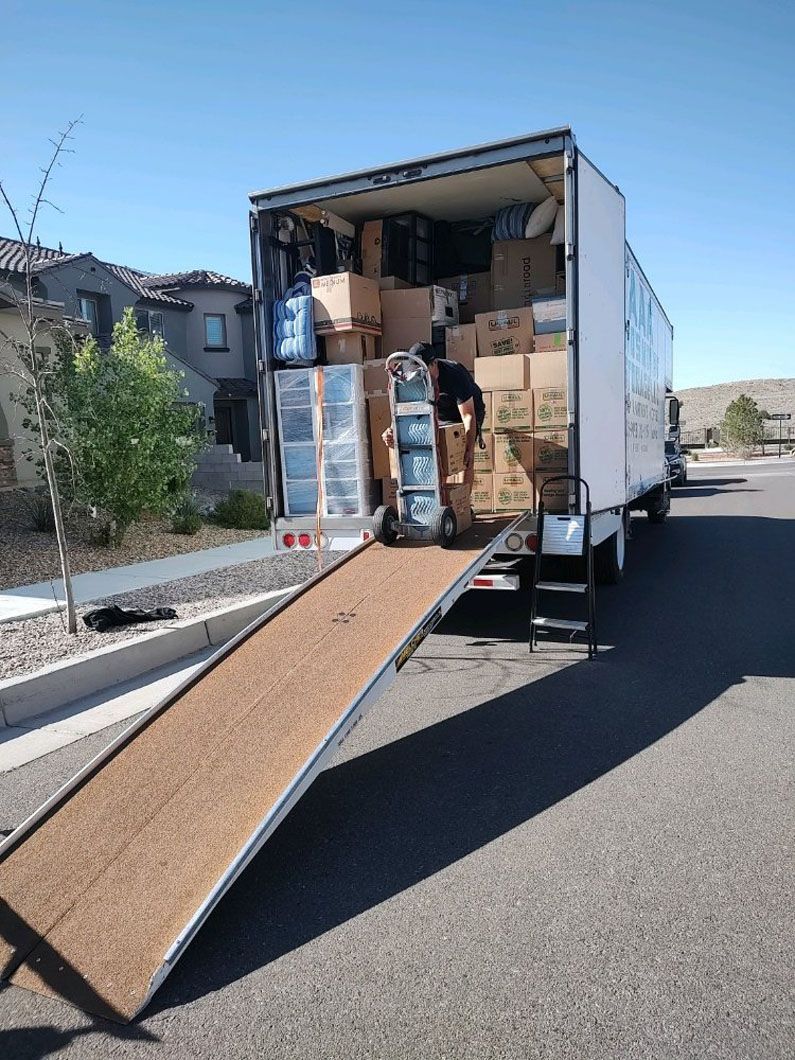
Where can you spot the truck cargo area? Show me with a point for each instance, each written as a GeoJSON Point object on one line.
{"type": "Point", "coordinates": [442, 218]}
{"type": "Point", "coordinates": [105, 886]}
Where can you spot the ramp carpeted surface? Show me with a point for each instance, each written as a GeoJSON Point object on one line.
{"type": "Point", "coordinates": [93, 898]}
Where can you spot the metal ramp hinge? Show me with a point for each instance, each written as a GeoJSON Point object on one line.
{"type": "Point", "coordinates": [570, 252]}
{"type": "Point", "coordinates": [253, 223]}
{"type": "Point", "coordinates": [265, 434]}
{"type": "Point", "coordinates": [260, 365]}
{"type": "Point", "coordinates": [258, 295]}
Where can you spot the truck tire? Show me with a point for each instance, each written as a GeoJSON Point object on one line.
{"type": "Point", "coordinates": [658, 505]}
{"type": "Point", "coordinates": [608, 559]}
{"type": "Point", "coordinates": [656, 516]}
{"type": "Point", "coordinates": [444, 527]}
{"type": "Point", "coordinates": [384, 524]}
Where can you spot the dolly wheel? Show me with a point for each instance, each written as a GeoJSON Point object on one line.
{"type": "Point", "coordinates": [444, 527]}
{"type": "Point", "coordinates": [385, 524]}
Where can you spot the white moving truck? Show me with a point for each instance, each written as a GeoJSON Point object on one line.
{"type": "Point", "coordinates": [618, 338]}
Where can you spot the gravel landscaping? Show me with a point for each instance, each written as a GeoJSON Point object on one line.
{"type": "Point", "coordinates": [29, 645]}
{"type": "Point", "coordinates": [27, 555]}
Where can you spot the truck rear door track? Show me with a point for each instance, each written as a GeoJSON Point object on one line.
{"type": "Point", "coordinates": [105, 886]}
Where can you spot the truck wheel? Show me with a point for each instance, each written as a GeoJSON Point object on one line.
{"type": "Point", "coordinates": [444, 527]}
{"type": "Point", "coordinates": [658, 505]}
{"type": "Point", "coordinates": [385, 524]}
{"type": "Point", "coordinates": [608, 559]}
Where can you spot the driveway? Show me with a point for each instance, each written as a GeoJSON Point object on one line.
{"type": "Point", "coordinates": [522, 856]}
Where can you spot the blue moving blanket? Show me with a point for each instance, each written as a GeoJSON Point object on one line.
{"type": "Point", "coordinates": [293, 330]}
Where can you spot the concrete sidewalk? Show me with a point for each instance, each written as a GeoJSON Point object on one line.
{"type": "Point", "coordinates": [30, 601]}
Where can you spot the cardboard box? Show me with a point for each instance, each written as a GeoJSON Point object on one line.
{"type": "Point", "coordinates": [512, 409]}
{"type": "Point", "coordinates": [350, 347]}
{"type": "Point", "coordinates": [473, 293]}
{"type": "Point", "coordinates": [389, 491]}
{"type": "Point", "coordinates": [452, 448]}
{"type": "Point", "coordinates": [459, 499]}
{"type": "Point", "coordinates": [522, 269]}
{"type": "Point", "coordinates": [379, 418]}
{"type": "Point", "coordinates": [549, 314]}
{"type": "Point", "coordinates": [505, 332]}
{"type": "Point", "coordinates": [344, 301]}
{"type": "Point", "coordinates": [483, 459]}
{"type": "Point", "coordinates": [550, 368]}
{"type": "Point", "coordinates": [551, 451]}
{"type": "Point", "coordinates": [461, 344]}
{"type": "Point", "coordinates": [556, 497]}
{"type": "Point", "coordinates": [554, 340]}
{"type": "Point", "coordinates": [503, 373]}
{"type": "Point", "coordinates": [513, 491]}
{"type": "Point", "coordinates": [393, 283]}
{"type": "Point", "coordinates": [375, 378]}
{"type": "Point", "coordinates": [372, 242]}
{"type": "Point", "coordinates": [487, 424]}
{"type": "Point", "coordinates": [550, 407]}
{"type": "Point", "coordinates": [513, 451]}
{"type": "Point", "coordinates": [482, 498]}
{"type": "Point", "coordinates": [410, 316]}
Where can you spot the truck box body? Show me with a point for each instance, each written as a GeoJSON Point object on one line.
{"type": "Point", "coordinates": [618, 339]}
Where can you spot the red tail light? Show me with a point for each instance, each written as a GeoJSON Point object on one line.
{"type": "Point", "coordinates": [288, 540]}
{"type": "Point", "coordinates": [304, 540]}
{"type": "Point", "coordinates": [532, 542]}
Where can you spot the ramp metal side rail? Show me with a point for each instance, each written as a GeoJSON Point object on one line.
{"type": "Point", "coordinates": [494, 532]}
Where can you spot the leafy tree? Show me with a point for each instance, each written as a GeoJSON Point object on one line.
{"type": "Point", "coordinates": [742, 426]}
{"type": "Point", "coordinates": [132, 438]}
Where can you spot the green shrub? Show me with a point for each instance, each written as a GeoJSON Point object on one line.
{"type": "Point", "coordinates": [39, 508]}
{"type": "Point", "coordinates": [242, 510]}
{"type": "Point", "coordinates": [186, 517]}
{"type": "Point", "coordinates": [692, 455]}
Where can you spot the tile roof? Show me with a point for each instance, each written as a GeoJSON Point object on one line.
{"type": "Point", "coordinates": [195, 278]}
{"type": "Point", "coordinates": [154, 288]}
{"type": "Point", "coordinates": [236, 388]}
{"type": "Point", "coordinates": [12, 254]}
{"type": "Point", "coordinates": [135, 278]}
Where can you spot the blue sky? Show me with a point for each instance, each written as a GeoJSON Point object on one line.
{"type": "Point", "coordinates": [189, 106]}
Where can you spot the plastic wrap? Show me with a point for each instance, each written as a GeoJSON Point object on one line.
{"type": "Point", "coordinates": [346, 481]}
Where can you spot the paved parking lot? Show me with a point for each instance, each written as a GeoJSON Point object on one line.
{"type": "Point", "coordinates": [522, 856]}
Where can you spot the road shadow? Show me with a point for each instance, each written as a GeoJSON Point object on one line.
{"type": "Point", "coordinates": [710, 481]}
{"type": "Point", "coordinates": [42, 1040]}
{"type": "Point", "coordinates": [683, 630]}
{"type": "Point", "coordinates": [691, 490]}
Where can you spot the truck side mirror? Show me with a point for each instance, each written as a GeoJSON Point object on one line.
{"type": "Point", "coordinates": [673, 411]}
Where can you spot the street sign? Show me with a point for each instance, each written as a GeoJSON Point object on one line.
{"type": "Point", "coordinates": [781, 416]}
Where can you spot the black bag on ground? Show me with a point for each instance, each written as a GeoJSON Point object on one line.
{"type": "Point", "coordinates": [103, 618]}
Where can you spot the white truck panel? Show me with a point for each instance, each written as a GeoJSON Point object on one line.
{"type": "Point", "coordinates": [600, 336]}
{"type": "Point", "coordinates": [649, 349]}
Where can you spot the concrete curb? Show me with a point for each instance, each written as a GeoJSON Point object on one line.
{"type": "Point", "coordinates": [63, 682]}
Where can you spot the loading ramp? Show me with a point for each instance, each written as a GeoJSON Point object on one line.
{"type": "Point", "coordinates": [104, 887]}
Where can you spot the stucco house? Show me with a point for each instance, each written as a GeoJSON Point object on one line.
{"type": "Point", "coordinates": [205, 320]}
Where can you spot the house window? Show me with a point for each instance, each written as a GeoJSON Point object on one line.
{"type": "Point", "coordinates": [87, 308]}
{"type": "Point", "coordinates": [150, 320]}
{"type": "Point", "coordinates": [215, 331]}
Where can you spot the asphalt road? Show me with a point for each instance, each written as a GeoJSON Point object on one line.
{"type": "Point", "coordinates": [523, 856]}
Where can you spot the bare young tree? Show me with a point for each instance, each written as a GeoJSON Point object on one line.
{"type": "Point", "coordinates": [30, 365]}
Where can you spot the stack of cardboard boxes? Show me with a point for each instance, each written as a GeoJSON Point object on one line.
{"type": "Point", "coordinates": [506, 325]}
{"type": "Point", "coordinates": [528, 442]}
